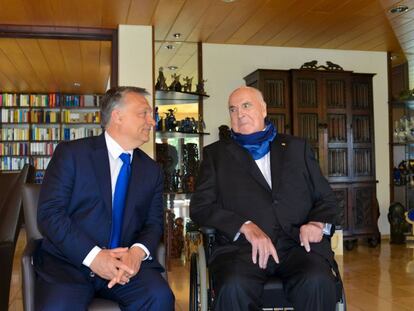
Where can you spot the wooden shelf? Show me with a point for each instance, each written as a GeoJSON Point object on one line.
{"type": "Point", "coordinates": [80, 123]}
{"type": "Point", "coordinates": [403, 103]}
{"type": "Point", "coordinates": [173, 97]}
{"type": "Point", "coordinates": [80, 108]}
{"type": "Point", "coordinates": [178, 134]}
{"type": "Point", "coordinates": [16, 107]}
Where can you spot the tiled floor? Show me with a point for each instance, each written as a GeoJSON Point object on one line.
{"type": "Point", "coordinates": [376, 279]}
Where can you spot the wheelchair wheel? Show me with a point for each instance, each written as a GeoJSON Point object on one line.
{"type": "Point", "coordinates": [198, 281]}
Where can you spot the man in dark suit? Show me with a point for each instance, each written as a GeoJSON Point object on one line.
{"type": "Point", "coordinates": [264, 193]}
{"type": "Point", "coordinates": [101, 214]}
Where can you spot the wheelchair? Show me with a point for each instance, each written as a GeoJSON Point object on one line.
{"type": "Point", "coordinates": [202, 283]}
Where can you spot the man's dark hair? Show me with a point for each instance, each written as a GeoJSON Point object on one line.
{"type": "Point", "coordinates": [113, 99]}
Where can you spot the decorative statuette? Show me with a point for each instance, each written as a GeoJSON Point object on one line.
{"type": "Point", "coordinates": [188, 83]}
{"type": "Point", "coordinates": [161, 85]}
{"type": "Point", "coordinates": [200, 87]}
{"type": "Point", "coordinates": [329, 66]}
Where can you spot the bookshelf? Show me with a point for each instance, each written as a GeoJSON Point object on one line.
{"type": "Point", "coordinates": [32, 125]}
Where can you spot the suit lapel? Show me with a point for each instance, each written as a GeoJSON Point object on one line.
{"type": "Point", "coordinates": [100, 162]}
{"type": "Point", "coordinates": [277, 156]}
{"type": "Point", "coordinates": [245, 161]}
{"type": "Point", "coordinates": [136, 185]}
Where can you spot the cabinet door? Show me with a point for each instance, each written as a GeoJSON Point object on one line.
{"type": "Point", "coordinates": [363, 216]}
{"type": "Point", "coordinates": [362, 129]}
{"type": "Point", "coordinates": [343, 193]}
{"type": "Point", "coordinates": [308, 111]}
{"type": "Point", "coordinates": [275, 86]}
{"type": "Point", "coordinates": [336, 118]}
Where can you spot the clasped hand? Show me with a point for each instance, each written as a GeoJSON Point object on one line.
{"type": "Point", "coordinates": [118, 265]}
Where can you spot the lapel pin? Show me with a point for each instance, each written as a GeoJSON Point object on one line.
{"type": "Point", "coordinates": [284, 144]}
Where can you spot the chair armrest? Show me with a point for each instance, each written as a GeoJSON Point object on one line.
{"type": "Point", "coordinates": [28, 274]}
{"type": "Point", "coordinates": [6, 264]}
{"type": "Point", "coordinates": [161, 259]}
{"type": "Point", "coordinates": [208, 231]}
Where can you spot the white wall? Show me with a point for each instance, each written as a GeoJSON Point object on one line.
{"type": "Point", "coordinates": [135, 63]}
{"type": "Point", "coordinates": [224, 66]}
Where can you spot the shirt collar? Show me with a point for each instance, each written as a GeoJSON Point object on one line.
{"type": "Point", "coordinates": [114, 149]}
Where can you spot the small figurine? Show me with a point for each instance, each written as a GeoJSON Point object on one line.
{"type": "Point", "coordinates": [310, 65]}
{"type": "Point", "coordinates": [170, 122]}
{"type": "Point", "coordinates": [200, 87]}
{"type": "Point", "coordinates": [188, 83]}
{"type": "Point", "coordinates": [161, 85]}
{"type": "Point", "coordinates": [178, 238]}
{"type": "Point", "coordinates": [333, 66]}
{"type": "Point", "coordinates": [175, 85]}
{"type": "Point", "coordinates": [398, 224]}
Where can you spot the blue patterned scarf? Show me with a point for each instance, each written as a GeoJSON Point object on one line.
{"type": "Point", "coordinates": [258, 144]}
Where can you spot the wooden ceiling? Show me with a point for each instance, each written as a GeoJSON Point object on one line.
{"type": "Point", "coordinates": [45, 65]}
{"type": "Point", "coordinates": [330, 24]}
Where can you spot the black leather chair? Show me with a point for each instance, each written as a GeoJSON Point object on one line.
{"type": "Point", "coordinates": [10, 223]}
{"type": "Point", "coordinates": [202, 283]}
{"type": "Point", "coordinates": [30, 199]}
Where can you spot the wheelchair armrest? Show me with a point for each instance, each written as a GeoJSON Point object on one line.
{"type": "Point", "coordinates": [208, 231]}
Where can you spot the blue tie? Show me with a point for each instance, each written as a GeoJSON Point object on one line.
{"type": "Point", "coordinates": [120, 194]}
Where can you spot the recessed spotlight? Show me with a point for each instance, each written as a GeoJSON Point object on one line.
{"type": "Point", "coordinates": [394, 57]}
{"type": "Point", "coordinates": [228, 1]}
{"type": "Point", "coordinates": [76, 84]}
{"type": "Point", "coordinates": [399, 9]}
{"type": "Point", "coordinates": [177, 35]}
{"type": "Point", "coordinates": [172, 67]}
{"type": "Point", "coordinates": [170, 47]}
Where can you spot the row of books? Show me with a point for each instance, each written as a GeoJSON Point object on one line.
{"type": "Point", "coordinates": [7, 149]}
{"type": "Point", "coordinates": [81, 117]}
{"type": "Point", "coordinates": [11, 134]}
{"type": "Point", "coordinates": [12, 164]}
{"type": "Point", "coordinates": [45, 133]}
{"type": "Point", "coordinates": [81, 132]}
{"type": "Point", "coordinates": [48, 100]}
{"type": "Point", "coordinates": [42, 116]}
{"type": "Point", "coordinates": [41, 163]}
{"type": "Point", "coordinates": [14, 116]}
{"type": "Point", "coordinates": [46, 148]}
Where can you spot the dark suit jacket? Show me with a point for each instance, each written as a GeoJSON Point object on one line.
{"type": "Point", "coordinates": [231, 190]}
{"type": "Point", "coordinates": [75, 208]}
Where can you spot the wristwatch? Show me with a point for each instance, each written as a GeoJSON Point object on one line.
{"type": "Point", "coordinates": [326, 230]}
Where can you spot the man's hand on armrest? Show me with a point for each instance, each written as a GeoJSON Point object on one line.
{"type": "Point", "coordinates": [262, 246]}
{"type": "Point", "coordinates": [312, 232]}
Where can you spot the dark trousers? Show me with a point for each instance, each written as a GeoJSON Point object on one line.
{"type": "Point", "coordinates": [146, 291]}
{"type": "Point", "coordinates": [307, 278]}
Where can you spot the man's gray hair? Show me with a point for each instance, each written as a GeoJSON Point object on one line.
{"type": "Point", "coordinates": [113, 98]}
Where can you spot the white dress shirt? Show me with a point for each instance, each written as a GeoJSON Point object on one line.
{"type": "Point", "coordinates": [115, 164]}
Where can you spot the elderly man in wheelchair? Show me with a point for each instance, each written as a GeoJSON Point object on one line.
{"type": "Point", "coordinates": [273, 213]}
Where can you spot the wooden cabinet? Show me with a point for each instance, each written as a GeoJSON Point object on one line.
{"type": "Point", "coordinates": [333, 111]}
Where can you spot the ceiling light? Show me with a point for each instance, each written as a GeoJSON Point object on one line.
{"type": "Point", "coordinates": [76, 84]}
{"type": "Point", "coordinates": [170, 47]}
{"type": "Point", "coordinates": [172, 67]}
{"type": "Point", "coordinates": [228, 1]}
{"type": "Point", "coordinates": [177, 35]}
{"type": "Point", "coordinates": [399, 9]}
{"type": "Point", "coordinates": [394, 57]}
